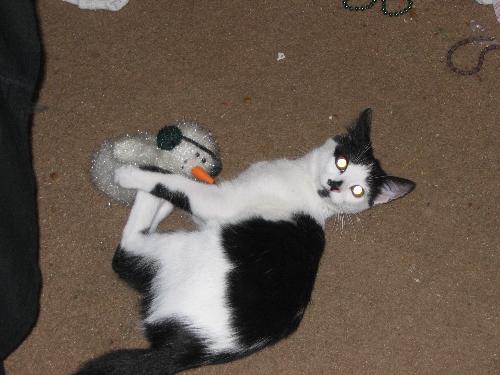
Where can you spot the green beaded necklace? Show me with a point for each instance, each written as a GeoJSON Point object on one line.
{"type": "Point", "coordinates": [358, 8]}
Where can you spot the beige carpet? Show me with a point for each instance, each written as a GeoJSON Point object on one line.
{"type": "Point", "coordinates": [409, 288]}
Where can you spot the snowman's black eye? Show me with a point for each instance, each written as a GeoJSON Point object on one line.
{"type": "Point", "coordinates": [203, 160]}
{"type": "Point", "coordinates": [197, 154]}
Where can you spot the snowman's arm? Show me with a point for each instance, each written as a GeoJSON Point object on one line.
{"type": "Point", "coordinates": [201, 200]}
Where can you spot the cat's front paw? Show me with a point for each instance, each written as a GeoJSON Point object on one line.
{"type": "Point", "coordinates": [129, 177]}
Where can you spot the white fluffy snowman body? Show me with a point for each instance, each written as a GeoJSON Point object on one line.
{"type": "Point", "coordinates": [177, 148]}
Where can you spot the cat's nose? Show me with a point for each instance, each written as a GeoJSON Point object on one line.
{"type": "Point", "coordinates": [334, 185]}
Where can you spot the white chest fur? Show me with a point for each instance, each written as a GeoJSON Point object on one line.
{"type": "Point", "coordinates": [273, 190]}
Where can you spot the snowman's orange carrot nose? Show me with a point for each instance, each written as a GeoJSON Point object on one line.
{"type": "Point", "coordinates": [202, 175]}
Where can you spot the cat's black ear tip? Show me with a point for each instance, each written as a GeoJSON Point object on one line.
{"type": "Point", "coordinates": [413, 185]}
{"type": "Point", "coordinates": [408, 185]}
{"type": "Point", "coordinates": [367, 115]}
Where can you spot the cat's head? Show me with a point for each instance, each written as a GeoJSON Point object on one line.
{"type": "Point", "coordinates": [350, 176]}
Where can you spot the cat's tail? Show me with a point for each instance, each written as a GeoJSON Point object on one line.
{"type": "Point", "coordinates": [140, 362]}
{"type": "Point", "coordinates": [174, 348]}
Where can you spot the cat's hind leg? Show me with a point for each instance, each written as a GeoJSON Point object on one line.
{"type": "Point", "coordinates": [165, 209]}
{"type": "Point", "coordinates": [141, 219]}
{"type": "Point", "coordinates": [130, 261]}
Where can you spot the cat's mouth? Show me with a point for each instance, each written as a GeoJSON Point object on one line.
{"type": "Point", "coordinates": [325, 192]}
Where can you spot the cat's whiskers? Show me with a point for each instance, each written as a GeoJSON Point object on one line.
{"type": "Point", "coordinates": [376, 177]}
{"type": "Point", "coordinates": [338, 222]}
{"type": "Point", "coordinates": [302, 150]}
{"type": "Point", "coordinates": [373, 178]}
{"type": "Point", "coordinates": [358, 157]}
{"type": "Point", "coordinates": [340, 219]}
{"type": "Point", "coordinates": [349, 219]}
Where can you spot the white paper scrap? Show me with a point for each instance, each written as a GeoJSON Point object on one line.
{"type": "Point", "coordinates": [112, 5]}
{"type": "Point", "coordinates": [496, 6]}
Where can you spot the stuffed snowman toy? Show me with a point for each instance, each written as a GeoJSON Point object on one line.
{"type": "Point", "coordinates": [184, 148]}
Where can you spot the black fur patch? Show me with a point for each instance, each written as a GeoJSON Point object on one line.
{"type": "Point", "coordinates": [275, 268]}
{"type": "Point", "coordinates": [375, 181]}
{"type": "Point", "coordinates": [138, 273]}
{"type": "Point", "coordinates": [175, 335]}
{"type": "Point", "coordinates": [177, 198]}
{"type": "Point", "coordinates": [154, 168]}
{"type": "Point", "coordinates": [324, 193]}
{"type": "Point", "coordinates": [354, 150]}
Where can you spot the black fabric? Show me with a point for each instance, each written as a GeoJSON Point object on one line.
{"type": "Point", "coordinates": [20, 56]}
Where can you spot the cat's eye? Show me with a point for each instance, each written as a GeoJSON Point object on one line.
{"type": "Point", "coordinates": [203, 160]}
{"type": "Point", "coordinates": [341, 163]}
{"type": "Point", "coordinates": [197, 154]}
{"type": "Point", "coordinates": [357, 191]}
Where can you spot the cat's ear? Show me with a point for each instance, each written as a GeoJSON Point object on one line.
{"type": "Point", "coordinates": [361, 129]}
{"type": "Point", "coordinates": [393, 188]}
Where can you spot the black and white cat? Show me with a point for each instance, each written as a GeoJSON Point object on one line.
{"type": "Point", "coordinates": [244, 278]}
